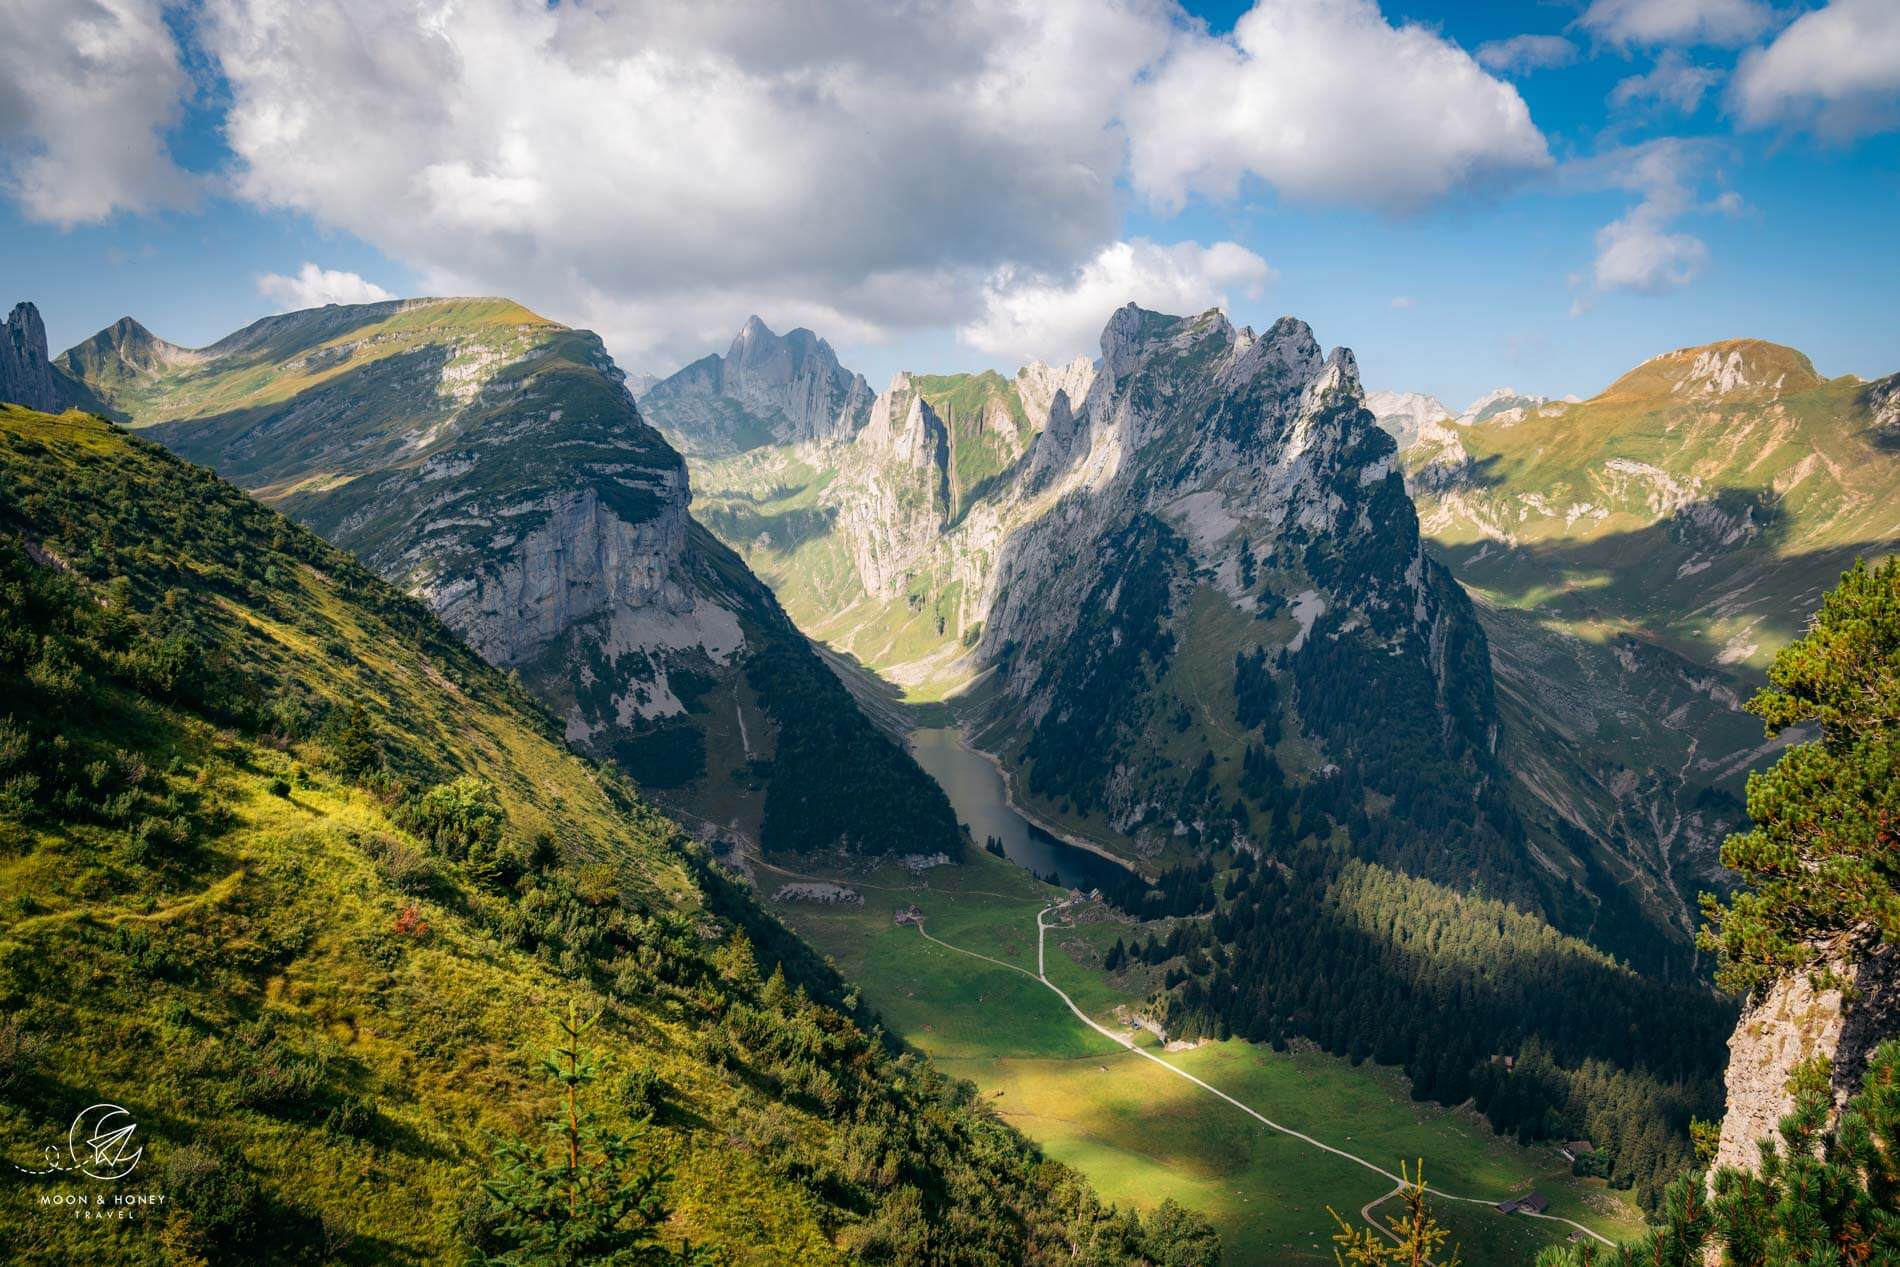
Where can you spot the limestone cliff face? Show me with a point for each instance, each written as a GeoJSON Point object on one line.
{"type": "Point", "coordinates": [487, 460]}
{"type": "Point", "coordinates": [495, 465]}
{"type": "Point", "coordinates": [892, 511]}
{"type": "Point", "coordinates": [27, 376]}
{"type": "Point", "coordinates": [766, 389]}
{"type": "Point", "coordinates": [1792, 1022]}
{"type": "Point", "coordinates": [1038, 385]}
{"type": "Point", "coordinates": [561, 558]}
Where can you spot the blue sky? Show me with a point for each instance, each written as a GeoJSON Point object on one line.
{"type": "Point", "coordinates": [1463, 212]}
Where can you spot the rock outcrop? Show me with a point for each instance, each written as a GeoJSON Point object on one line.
{"type": "Point", "coordinates": [1791, 1022]}
{"type": "Point", "coordinates": [27, 376]}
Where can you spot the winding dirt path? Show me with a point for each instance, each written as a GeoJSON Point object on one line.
{"type": "Point", "coordinates": [1042, 974]}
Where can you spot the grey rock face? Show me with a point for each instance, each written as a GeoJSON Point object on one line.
{"type": "Point", "coordinates": [1792, 1022]}
{"type": "Point", "coordinates": [766, 389]}
{"type": "Point", "coordinates": [26, 375]}
{"type": "Point", "coordinates": [1038, 385]}
{"type": "Point", "coordinates": [577, 561]}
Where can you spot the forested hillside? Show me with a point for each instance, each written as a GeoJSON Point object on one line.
{"type": "Point", "coordinates": [1544, 1035]}
{"type": "Point", "coordinates": [301, 882]}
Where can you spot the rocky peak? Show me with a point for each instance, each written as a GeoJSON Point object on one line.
{"type": "Point", "coordinates": [26, 376]}
{"type": "Point", "coordinates": [1338, 379]}
{"type": "Point", "coordinates": [768, 388]}
{"type": "Point", "coordinates": [123, 348]}
{"type": "Point", "coordinates": [1404, 414]}
{"type": "Point", "coordinates": [1129, 333]}
{"type": "Point", "coordinates": [1288, 346]}
{"type": "Point", "coordinates": [906, 430]}
{"type": "Point", "coordinates": [1055, 446]}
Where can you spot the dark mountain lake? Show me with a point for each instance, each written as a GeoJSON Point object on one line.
{"type": "Point", "coordinates": [975, 789]}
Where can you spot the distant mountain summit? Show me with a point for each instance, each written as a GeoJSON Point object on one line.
{"type": "Point", "coordinates": [124, 360]}
{"type": "Point", "coordinates": [1734, 369]}
{"type": "Point", "coordinates": [1407, 416]}
{"type": "Point", "coordinates": [767, 389]}
{"type": "Point", "coordinates": [1504, 404]}
{"type": "Point", "coordinates": [1403, 414]}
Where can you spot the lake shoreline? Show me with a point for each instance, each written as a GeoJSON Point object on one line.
{"type": "Point", "coordinates": [1029, 817]}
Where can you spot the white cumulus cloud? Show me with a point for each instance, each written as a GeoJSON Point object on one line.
{"type": "Point", "coordinates": [630, 162]}
{"type": "Point", "coordinates": [1835, 71]}
{"type": "Point", "coordinates": [660, 168]}
{"type": "Point", "coordinates": [1646, 250]}
{"type": "Point", "coordinates": [1325, 100]}
{"type": "Point", "coordinates": [1051, 318]}
{"type": "Point", "coordinates": [87, 91]}
{"type": "Point", "coordinates": [313, 287]}
{"type": "Point", "coordinates": [1649, 22]}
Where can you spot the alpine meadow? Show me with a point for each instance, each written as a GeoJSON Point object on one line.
{"type": "Point", "coordinates": [741, 635]}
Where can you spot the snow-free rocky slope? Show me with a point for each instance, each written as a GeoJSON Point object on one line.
{"type": "Point", "coordinates": [492, 463]}
{"type": "Point", "coordinates": [1638, 558]}
{"type": "Point", "coordinates": [1180, 591]}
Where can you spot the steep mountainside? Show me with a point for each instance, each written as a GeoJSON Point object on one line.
{"type": "Point", "coordinates": [1638, 558]}
{"type": "Point", "coordinates": [26, 376]}
{"type": "Point", "coordinates": [1149, 582]}
{"type": "Point", "coordinates": [1196, 623]}
{"type": "Point", "coordinates": [766, 389]}
{"type": "Point", "coordinates": [299, 881]}
{"type": "Point", "coordinates": [492, 463]}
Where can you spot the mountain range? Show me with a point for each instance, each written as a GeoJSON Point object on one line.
{"type": "Point", "coordinates": [957, 544]}
{"type": "Point", "coordinates": [1335, 671]}
{"type": "Point", "coordinates": [492, 463]}
{"type": "Point", "coordinates": [1638, 558]}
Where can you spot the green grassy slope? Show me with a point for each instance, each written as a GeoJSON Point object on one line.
{"type": "Point", "coordinates": [312, 948]}
{"type": "Point", "coordinates": [1637, 559]}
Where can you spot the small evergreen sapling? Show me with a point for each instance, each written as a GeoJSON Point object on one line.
{"type": "Point", "coordinates": [589, 1195]}
{"type": "Point", "coordinates": [1415, 1237]}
